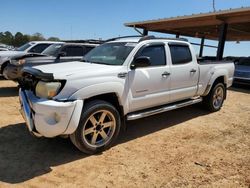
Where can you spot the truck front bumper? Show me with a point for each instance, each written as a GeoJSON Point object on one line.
{"type": "Point", "coordinates": [49, 118]}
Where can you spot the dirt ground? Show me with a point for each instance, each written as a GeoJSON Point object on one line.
{"type": "Point", "coordinates": [188, 147]}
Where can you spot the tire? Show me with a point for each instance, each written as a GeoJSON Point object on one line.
{"type": "Point", "coordinates": [4, 65]}
{"type": "Point", "coordinates": [98, 129]}
{"type": "Point", "coordinates": [214, 100]}
{"type": "Point", "coordinates": [4, 72]}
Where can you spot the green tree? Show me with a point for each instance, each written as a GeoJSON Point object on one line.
{"type": "Point", "coordinates": [7, 38]}
{"type": "Point", "coordinates": [37, 37]}
{"type": "Point", "coordinates": [53, 39]}
{"type": "Point", "coordinates": [18, 39]}
{"type": "Point", "coordinates": [26, 38]}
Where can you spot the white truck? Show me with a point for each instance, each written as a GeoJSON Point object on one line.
{"type": "Point", "coordinates": [30, 47]}
{"type": "Point", "coordinates": [124, 79]}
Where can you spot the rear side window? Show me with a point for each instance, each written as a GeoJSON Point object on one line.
{"type": "Point", "coordinates": [180, 54]}
{"type": "Point", "coordinates": [88, 48]}
{"type": "Point", "coordinates": [73, 51]}
{"type": "Point", "coordinates": [39, 48]}
{"type": "Point", "coordinates": [156, 55]}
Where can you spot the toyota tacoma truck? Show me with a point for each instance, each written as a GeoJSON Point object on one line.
{"type": "Point", "coordinates": [119, 81]}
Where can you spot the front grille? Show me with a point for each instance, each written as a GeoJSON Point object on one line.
{"type": "Point", "coordinates": [28, 82]}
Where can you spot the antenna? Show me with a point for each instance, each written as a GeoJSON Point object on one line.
{"type": "Point", "coordinates": [214, 5]}
{"type": "Point", "coordinates": [70, 32]}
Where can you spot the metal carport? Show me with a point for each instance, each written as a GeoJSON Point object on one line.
{"type": "Point", "coordinates": [226, 25]}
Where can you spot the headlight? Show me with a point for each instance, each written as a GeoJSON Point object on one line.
{"type": "Point", "coordinates": [47, 89]}
{"type": "Point", "coordinates": [18, 62]}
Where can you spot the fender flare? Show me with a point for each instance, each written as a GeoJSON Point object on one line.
{"type": "Point", "coordinates": [215, 76]}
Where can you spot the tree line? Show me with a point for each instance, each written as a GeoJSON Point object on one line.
{"type": "Point", "coordinates": [19, 38]}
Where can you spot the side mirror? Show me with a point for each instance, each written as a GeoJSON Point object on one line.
{"type": "Point", "coordinates": [141, 61]}
{"type": "Point", "coordinates": [61, 54]}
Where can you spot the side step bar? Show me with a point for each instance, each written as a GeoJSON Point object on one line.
{"type": "Point", "coordinates": [138, 115]}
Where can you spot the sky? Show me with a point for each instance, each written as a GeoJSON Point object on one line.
{"type": "Point", "coordinates": [85, 19]}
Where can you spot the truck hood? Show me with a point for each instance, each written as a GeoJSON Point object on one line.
{"type": "Point", "coordinates": [11, 53]}
{"type": "Point", "coordinates": [27, 56]}
{"type": "Point", "coordinates": [76, 69]}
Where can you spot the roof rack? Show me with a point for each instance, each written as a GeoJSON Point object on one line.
{"type": "Point", "coordinates": [150, 37]}
{"type": "Point", "coordinates": [91, 41]}
{"type": "Point", "coordinates": [131, 36]}
{"type": "Point", "coordinates": [147, 37]}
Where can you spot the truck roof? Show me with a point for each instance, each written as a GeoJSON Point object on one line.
{"type": "Point", "coordinates": [47, 42]}
{"type": "Point", "coordinates": [137, 39]}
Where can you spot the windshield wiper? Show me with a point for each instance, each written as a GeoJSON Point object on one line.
{"type": "Point", "coordinates": [98, 62]}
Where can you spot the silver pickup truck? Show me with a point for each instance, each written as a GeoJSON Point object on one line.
{"type": "Point", "coordinates": [124, 79]}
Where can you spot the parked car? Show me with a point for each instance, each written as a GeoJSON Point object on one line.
{"type": "Point", "coordinates": [55, 53]}
{"type": "Point", "coordinates": [124, 79]}
{"type": "Point", "coordinates": [4, 49]}
{"type": "Point", "coordinates": [30, 47]}
{"type": "Point", "coordinates": [242, 71]}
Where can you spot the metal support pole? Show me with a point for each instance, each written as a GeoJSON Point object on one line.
{"type": "Point", "coordinates": [202, 46]}
{"type": "Point", "coordinates": [222, 40]}
{"type": "Point", "coordinates": [145, 32]}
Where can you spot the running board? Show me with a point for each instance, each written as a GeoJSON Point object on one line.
{"type": "Point", "coordinates": [138, 115]}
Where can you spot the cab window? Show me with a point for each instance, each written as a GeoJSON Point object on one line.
{"type": "Point", "coordinates": [155, 53]}
{"type": "Point", "coordinates": [180, 54]}
{"type": "Point", "coordinates": [73, 51]}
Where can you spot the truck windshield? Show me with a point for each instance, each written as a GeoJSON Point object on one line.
{"type": "Point", "coordinates": [52, 50]}
{"type": "Point", "coordinates": [110, 53]}
{"type": "Point", "coordinates": [24, 47]}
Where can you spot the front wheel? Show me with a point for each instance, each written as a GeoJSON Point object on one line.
{"type": "Point", "coordinates": [214, 100]}
{"type": "Point", "coordinates": [98, 128]}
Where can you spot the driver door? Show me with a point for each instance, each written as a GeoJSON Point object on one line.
{"type": "Point", "coordinates": [149, 86]}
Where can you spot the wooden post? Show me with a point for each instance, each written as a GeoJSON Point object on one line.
{"type": "Point", "coordinates": [145, 32]}
{"type": "Point", "coordinates": [202, 46]}
{"type": "Point", "coordinates": [222, 40]}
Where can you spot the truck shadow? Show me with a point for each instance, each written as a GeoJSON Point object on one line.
{"type": "Point", "coordinates": [145, 126]}
{"type": "Point", "coordinates": [8, 91]}
{"type": "Point", "coordinates": [24, 157]}
{"type": "Point", "coordinates": [240, 88]}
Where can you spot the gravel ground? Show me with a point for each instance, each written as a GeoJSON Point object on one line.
{"type": "Point", "coordinates": [188, 147]}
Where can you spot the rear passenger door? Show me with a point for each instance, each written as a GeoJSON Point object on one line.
{"type": "Point", "coordinates": [72, 53]}
{"type": "Point", "coordinates": [184, 72]}
{"type": "Point", "coordinates": [149, 86]}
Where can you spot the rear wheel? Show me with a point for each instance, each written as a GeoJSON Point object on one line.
{"type": "Point", "coordinates": [214, 100]}
{"type": "Point", "coordinates": [98, 128]}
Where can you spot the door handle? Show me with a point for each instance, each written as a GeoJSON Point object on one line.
{"type": "Point", "coordinates": [193, 70]}
{"type": "Point", "coordinates": [165, 74]}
